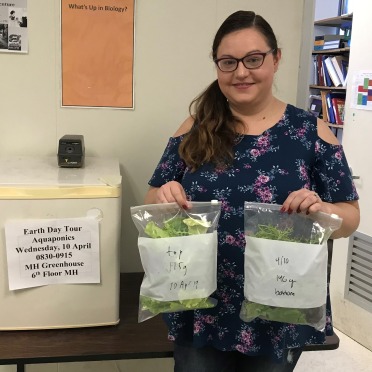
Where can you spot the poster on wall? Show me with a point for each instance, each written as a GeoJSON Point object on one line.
{"type": "Point", "coordinates": [13, 26]}
{"type": "Point", "coordinates": [97, 51]}
{"type": "Point", "coordinates": [362, 90]}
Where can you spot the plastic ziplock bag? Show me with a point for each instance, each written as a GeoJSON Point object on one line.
{"type": "Point", "coordinates": [178, 250]}
{"type": "Point", "coordinates": [285, 264]}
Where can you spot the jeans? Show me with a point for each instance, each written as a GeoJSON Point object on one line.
{"type": "Point", "coordinates": [209, 359]}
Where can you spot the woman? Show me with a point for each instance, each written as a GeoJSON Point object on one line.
{"type": "Point", "coordinates": [243, 144]}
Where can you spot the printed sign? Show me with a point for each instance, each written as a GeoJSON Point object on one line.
{"type": "Point", "coordinates": [54, 251]}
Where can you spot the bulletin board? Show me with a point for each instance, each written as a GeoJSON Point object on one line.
{"type": "Point", "coordinates": [97, 52]}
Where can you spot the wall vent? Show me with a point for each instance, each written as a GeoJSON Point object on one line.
{"type": "Point", "coordinates": [358, 286]}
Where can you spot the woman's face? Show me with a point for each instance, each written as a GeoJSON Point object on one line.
{"type": "Point", "coordinates": [246, 86]}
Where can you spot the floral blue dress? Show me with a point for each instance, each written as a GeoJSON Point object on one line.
{"type": "Point", "coordinates": [266, 168]}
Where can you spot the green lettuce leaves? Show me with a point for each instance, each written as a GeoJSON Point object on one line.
{"type": "Point", "coordinates": [272, 232]}
{"type": "Point", "coordinates": [278, 314]}
{"type": "Point", "coordinates": [156, 307]}
{"type": "Point", "coordinates": [178, 226]}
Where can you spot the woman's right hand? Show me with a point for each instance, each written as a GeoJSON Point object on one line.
{"type": "Point", "coordinates": [172, 192]}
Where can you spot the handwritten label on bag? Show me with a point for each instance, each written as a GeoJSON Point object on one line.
{"type": "Point", "coordinates": [285, 274]}
{"type": "Point", "coordinates": [286, 281]}
{"type": "Point", "coordinates": [179, 268]}
{"type": "Point", "coordinates": [52, 251]}
{"type": "Point", "coordinates": [177, 265]}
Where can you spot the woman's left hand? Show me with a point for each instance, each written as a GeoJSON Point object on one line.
{"type": "Point", "coordinates": [305, 201]}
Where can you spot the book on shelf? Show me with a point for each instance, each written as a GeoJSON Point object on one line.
{"type": "Point", "coordinates": [327, 46]}
{"type": "Point", "coordinates": [333, 41]}
{"type": "Point", "coordinates": [327, 76]}
{"type": "Point", "coordinates": [327, 79]}
{"type": "Point", "coordinates": [332, 72]}
{"type": "Point", "coordinates": [338, 62]}
{"type": "Point", "coordinates": [315, 105]}
{"type": "Point", "coordinates": [325, 115]}
{"type": "Point", "coordinates": [332, 112]}
{"type": "Point", "coordinates": [345, 68]}
{"type": "Point", "coordinates": [338, 105]}
{"type": "Point", "coordinates": [315, 78]}
{"type": "Point", "coordinates": [318, 45]}
{"type": "Point", "coordinates": [331, 45]}
{"type": "Point", "coordinates": [330, 37]}
{"type": "Point", "coordinates": [320, 71]}
{"type": "Point", "coordinates": [329, 70]}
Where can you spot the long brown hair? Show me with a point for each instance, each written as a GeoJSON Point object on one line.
{"type": "Point", "coordinates": [214, 133]}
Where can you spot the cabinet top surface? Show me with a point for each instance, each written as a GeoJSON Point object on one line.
{"type": "Point", "coordinates": [28, 170]}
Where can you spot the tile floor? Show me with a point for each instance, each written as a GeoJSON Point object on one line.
{"type": "Point", "coordinates": [349, 357]}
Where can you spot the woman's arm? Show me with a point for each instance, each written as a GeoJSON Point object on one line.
{"type": "Point", "coordinates": [171, 191]}
{"type": "Point", "coordinates": [348, 211]}
{"type": "Point", "coordinates": [307, 201]}
{"type": "Point", "coordinates": [350, 214]}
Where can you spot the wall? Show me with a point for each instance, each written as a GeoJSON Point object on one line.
{"type": "Point", "coordinates": [305, 63]}
{"type": "Point", "coordinates": [326, 9]}
{"type": "Point", "coordinates": [172, 65]}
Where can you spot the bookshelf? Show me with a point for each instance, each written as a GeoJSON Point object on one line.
{"type": "Point", "coordinates": [324, 84]}
{"type": "Point", "coordinates": [332, 51]}
{"type": "Point", "coordinates": [333, 21]}
{"type": "Point", "coordinates": [319, 87]}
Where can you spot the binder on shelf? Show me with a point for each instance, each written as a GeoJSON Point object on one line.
{"type": "Point", "coordinates": [332, 72]}
{"type": "Point", "coordinates": [332, 41]}
{"type": "Point", "coordinates": [318, 43]}
{"type": "Point", "coordinates": [331, 45]}
{"type": "Point", "coordinates": [337, 62]}
{"type": "Point", "coordinates": [331, 114]}
{"type": "Point", "coordinates": [329, 37]}
{"type": "Point", "coordinates": [327, 79]}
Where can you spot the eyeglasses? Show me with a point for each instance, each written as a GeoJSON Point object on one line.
{"type": "Point", "coordinates": [251, 61]}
